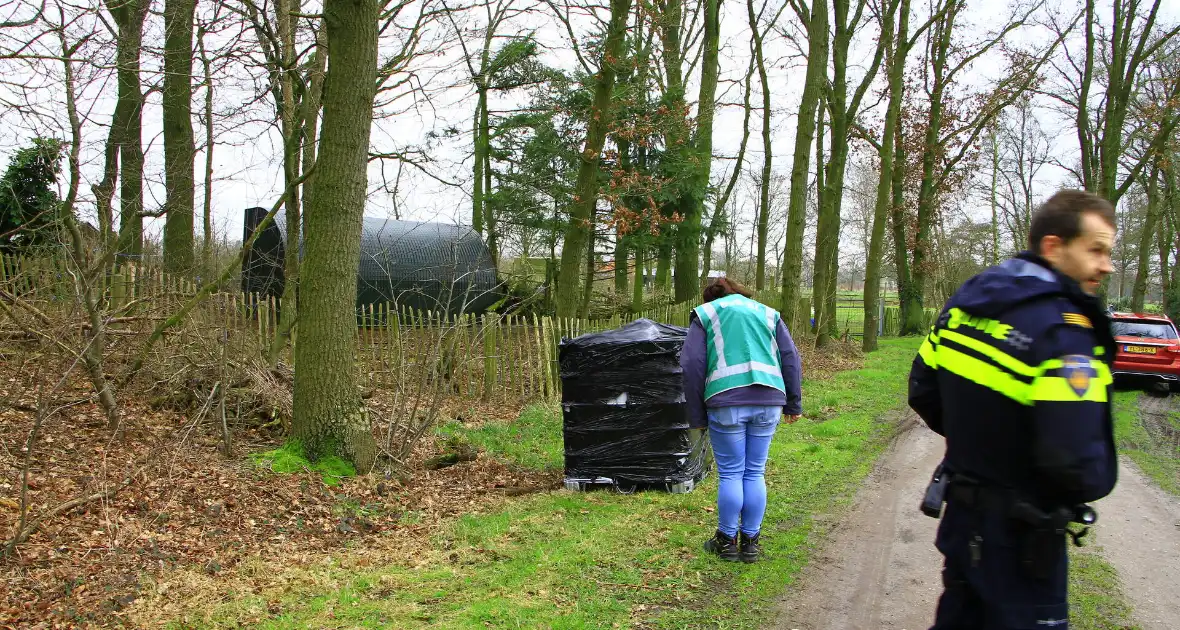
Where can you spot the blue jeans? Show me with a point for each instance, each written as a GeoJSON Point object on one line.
{"type": "Point", "coordinates": [741, 442]}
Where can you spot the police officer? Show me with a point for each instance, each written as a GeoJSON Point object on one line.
{"type": "Point", "coordinates": [1015, 376]}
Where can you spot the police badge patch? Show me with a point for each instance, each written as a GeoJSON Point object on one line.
{"type": "Point", "coordinates": [1078, 370]}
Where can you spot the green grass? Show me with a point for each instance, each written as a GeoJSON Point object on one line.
{"type": "Point", "coordinates": [1159, 461]}
{"type": "Point", "coordinates": [602, 559]}
{"type": "Point", "coordinates": [533, 441]}
{"type": "Point", "coordinates": [289, 458]}
{"type": "Point", "coordinates": [1096, 600]}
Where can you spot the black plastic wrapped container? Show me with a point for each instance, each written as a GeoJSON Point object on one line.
{"type": "Point", "coordinates": [624, 421]}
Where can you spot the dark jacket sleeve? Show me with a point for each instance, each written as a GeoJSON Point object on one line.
{"type": "Point", "coordinates": [792, 367]}
{"type": "Point", "coordinates": [1073, 433]}
{"type": "Point", "coordinates": [694, 363]}
{"type": "Point", "coordinates": [924, 397]}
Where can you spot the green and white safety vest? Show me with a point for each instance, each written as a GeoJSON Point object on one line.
{"type": "Point", "coordinates": [740, 344]}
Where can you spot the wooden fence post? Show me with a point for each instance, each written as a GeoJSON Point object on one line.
{"type": "Point", "coordinates": [489, 355]}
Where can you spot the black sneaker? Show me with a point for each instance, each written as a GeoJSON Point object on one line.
{"type": "Point", "coordinates": [722, 545]}
{"type": "Point", "coordinates": [750, 550]}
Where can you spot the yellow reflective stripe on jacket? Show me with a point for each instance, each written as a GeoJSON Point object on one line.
{"type": "Point", "coordinates": [1004, 380]}
{"type": "Point", "coordinates": [1057, 388]}
{"type": "Point", "coordinates": [991, 352]}
{"type": "Point", "coordinates": [983, 373]}
{"type": "Point", "coordinates": [928, 353]}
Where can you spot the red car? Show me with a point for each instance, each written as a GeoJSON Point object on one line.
{"type": "Point", "coordinates": [1148, 347]}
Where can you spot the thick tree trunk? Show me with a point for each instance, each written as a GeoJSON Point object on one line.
{"type": "Point", "coordinates": [179, 146]}
{"type": "Point", "coordinates": [586, 187]}
{"type": "Point", "coordinates": [817, 62]}
{"type": "Point", "coordinates": [129, 17]}
{"type": "Point", "coordinates": [873, 263]}
{"type": "Point", "coordinates": [329, 415]}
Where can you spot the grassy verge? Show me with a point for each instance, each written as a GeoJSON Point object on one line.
{"type": "Point", "coordinates": [598, 559]}
{"type": "Point", "coordinates": [1096, 599]}
{"type": "Point", "coordinates": [1096, 596]}
{"type": "Point", "coordinates": [1157, 458]}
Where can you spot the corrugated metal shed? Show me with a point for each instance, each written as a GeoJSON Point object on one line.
{"type": "Point", "coordinates": [426, 266]}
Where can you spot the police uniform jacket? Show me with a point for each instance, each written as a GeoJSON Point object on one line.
{"type": "Point", "coordinates": [1015, 375]}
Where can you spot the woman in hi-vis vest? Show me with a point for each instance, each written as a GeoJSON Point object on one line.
{"type": "Point", "coordinates": [741, 374]}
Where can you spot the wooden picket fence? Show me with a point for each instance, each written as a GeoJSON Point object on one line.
{"type": "Point", "coordinates": [490, 356]}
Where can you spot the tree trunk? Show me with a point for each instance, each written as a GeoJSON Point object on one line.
{"type": "Point", "coordinates": [586, 187]}
{"type": "Point", "coordinates": [637, 288]}
{"type": "Point", "coordinates": [688, 233]}
{"type": "Point", "coordinates": [1163, 239]}
{"type": "Point", "coordinates": [664, 263]}
{"type": "Point", "coordinates": [827, 242]}
{"type": "Point", "coordinates": [719, 220]}
{"type": "Point", "coordinates": [932, 149]}
{"type": "Point", "coordinates": [767, 153]}
{"type": "Point", "coordinates": [481, 147]}
{"type": "Point", "coordinates": [588, 282]}
{"type": "Point", "coordinates": [303, 125]}
{"type": "Point", "coordinates": [207, 204]}
{"type": "Point", "coordinates": [179, 146]}
{"type": "Point", "coordinates": [995, 254]}
{"type": "Point", "coordinates": [897, 54]}
{"type": "Point", "coordinates": [820, 266]}
{"type": "Point", "coordinates": [93, 352]}
{"type": "Point", "coordinates": [621, 257]}
{"type": "Point", "coordinates": [817, 62]}
{"type": "Point", "coordinates": [129, 17]}
{"type": "Point", "coordinates": [1146, 236]}
{"type": "Point", "coordinates": [329, 416]}
{"type": "Point", "coordinates": [677, 151]}
{"type": "Point", "coordinates": [622, 240]}
{"type": "Point", "coordinates": [898, 219]}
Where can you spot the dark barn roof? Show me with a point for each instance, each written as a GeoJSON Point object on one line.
{"type": "Point", "coordinates": [426, 266]}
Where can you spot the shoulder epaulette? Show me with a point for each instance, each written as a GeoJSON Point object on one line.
{"type": "Point", "coordinates": [1077, 319]}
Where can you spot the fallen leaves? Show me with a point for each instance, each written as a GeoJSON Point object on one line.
{"type": "Point", "coordinates": [192, 512]}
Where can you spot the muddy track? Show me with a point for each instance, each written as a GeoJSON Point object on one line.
{"type": "Point", "coordinates": [879, 567]}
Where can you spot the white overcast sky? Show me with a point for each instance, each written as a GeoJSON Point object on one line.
{"type": "Point", "coordinates": [248, 160]}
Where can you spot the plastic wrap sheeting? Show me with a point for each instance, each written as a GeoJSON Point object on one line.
{"type": "Point", "coordinates": [638, 363]}
{"type": "Point", "coordinates": [624, 417]}
{"type": "Point", "coordinates": [638, 444]}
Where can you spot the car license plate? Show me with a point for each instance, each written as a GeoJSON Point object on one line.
{"type": "Point", "coordinates": [1138, 350]}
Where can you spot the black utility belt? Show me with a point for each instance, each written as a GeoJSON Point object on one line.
{"type": "Point", "coordinates": [1003, 501]}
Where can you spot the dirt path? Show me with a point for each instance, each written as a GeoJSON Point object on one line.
{"type": "Point", "coordinates": [879, 568]}
{"type": "Point", "coordinates": [1139, 530]}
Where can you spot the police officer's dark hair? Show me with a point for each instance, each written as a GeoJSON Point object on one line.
{"type": "Point", "coordinates": [1061, 216]}
{"type": "Point", "coordinates": [722, 287]}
